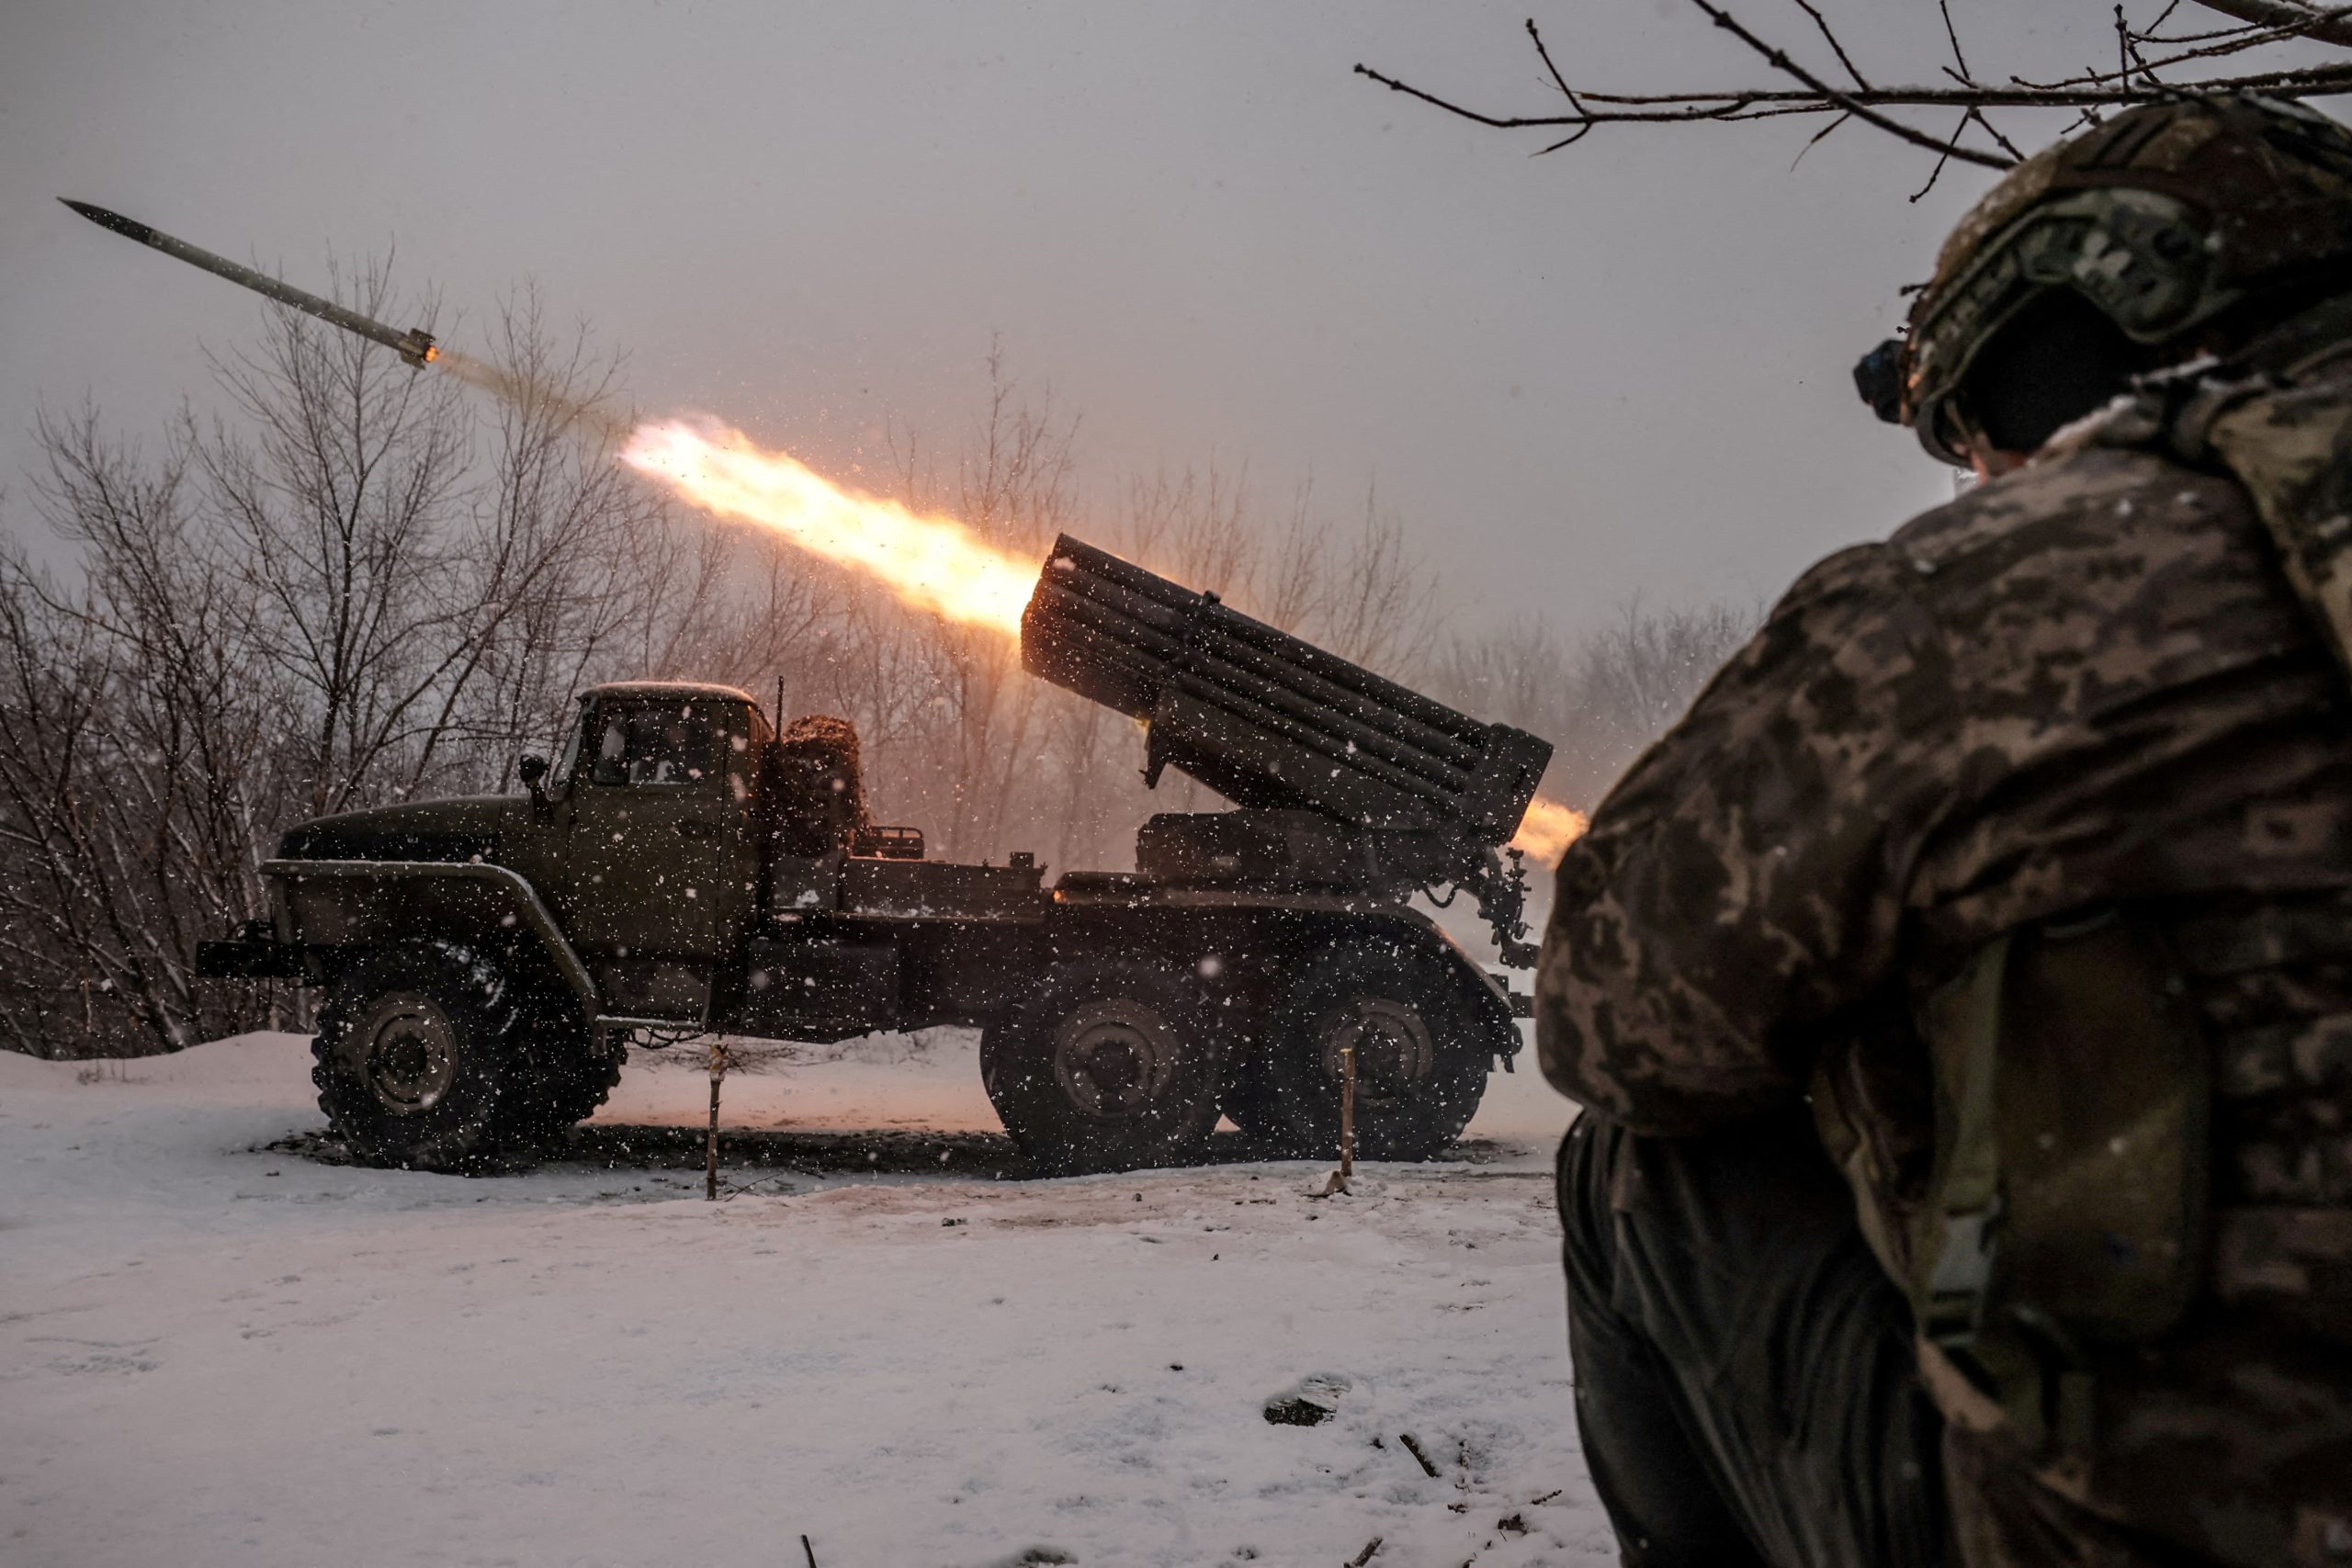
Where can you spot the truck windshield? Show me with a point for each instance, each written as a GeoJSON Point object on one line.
{"type": "Point", "coordinates": [658, 745]}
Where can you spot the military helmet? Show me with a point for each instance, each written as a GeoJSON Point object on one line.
{"type": "Point", "coordinates": [2161, 219]}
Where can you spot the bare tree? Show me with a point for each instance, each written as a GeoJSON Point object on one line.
{"type": "Point", "coordinates": [1013, 486]}
{"type": "Point", "coordinates": [580, 570]}
{"type": "Point", "coordinates": [1379, 605]}
{"type": "Point", "coordinates": [2150, 64]}
{"type": "Point", "coordinates": [1600, 698]}
{"type": "Point", "coordinates": [135, 762]}
{"type": "Point", "coordinates": [1195, 525]}
{"type": "Point", "coordinates": [334, 494]}
{"type": "Point", "coordinates": [345, 589]}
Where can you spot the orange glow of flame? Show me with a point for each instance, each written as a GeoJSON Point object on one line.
{"type": "Point", "coordinates": [1548, 828]}
{"type": "Point", "coordinates": [933, 563]}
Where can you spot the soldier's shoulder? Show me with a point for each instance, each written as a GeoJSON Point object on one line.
{"type": "Point", "coordinates": [1872, 569]}
{"type": "Point", "coordinates": [2091, 486]}
{"type": "Point", "coordinates": [1860, 593]}
{"type": "Point", "coordinates": [2077, 481]}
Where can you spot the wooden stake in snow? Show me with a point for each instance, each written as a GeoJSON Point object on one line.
{"type": "Point", "coordinates": [710, 1150]}
{"type": "Point", "coordinates": [1337, 1182]}
{"type": "Point", "coordinates": [1347, 1111]}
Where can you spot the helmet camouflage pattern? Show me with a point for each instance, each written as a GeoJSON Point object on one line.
{"type": "Point", "coordinates": [2161, 219]}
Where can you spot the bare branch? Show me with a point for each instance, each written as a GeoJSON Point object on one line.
{"type": "Point", "coordinates": [1780, 61]}
{"type": "Point", "coordinates": [1938, 172]}
{"type": "Point", "coordinates": [1990, 129]}
{"type": "Point", "coordinates": [1839, 48]}
{"type": "Point", "coordinates": [1817, 138]}
{"type": "Point", "coordinates": [1544, 54]}
{"type": "Point", "coordinates": [2288, 17]}
{"type": "Point", "coordinates": [1952, 33]}
{"type": "Point", "coordinates": [2135, 80]}
{"type": "Point", "coordinates": [2207, 46]}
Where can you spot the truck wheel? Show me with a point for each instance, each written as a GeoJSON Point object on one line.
{"type": "Point", "coordinates": [561, 1075]}
{"type": "Point", "coordinates": [412, 1047]}
{"type": "Point", "coordinates": [1421, 1066]}
{"type": "Point", "coordinates": [1108, 1066]}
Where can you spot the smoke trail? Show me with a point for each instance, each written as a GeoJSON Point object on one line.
{"type": "Point", "coordinates": [530, 396]}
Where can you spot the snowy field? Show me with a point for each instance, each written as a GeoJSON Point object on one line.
{"type": "Point", "coordinates": [217, 1347]}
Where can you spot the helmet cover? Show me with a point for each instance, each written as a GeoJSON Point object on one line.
{"type": "Point", "coordinates": [2161, 219]}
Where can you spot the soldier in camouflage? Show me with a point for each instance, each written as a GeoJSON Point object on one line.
{"type": "Point", "coordinates": [1961, 995]}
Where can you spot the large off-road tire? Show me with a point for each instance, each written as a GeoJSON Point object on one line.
{"type": "Point", "coordinates": [559, 1072]}
{"type": "Point", "coordinates": [1421, 1050]}
{"type": "Point", "coordinates": [413, 1053]}
{"type": "Point", "coordinates": [1109, 1064]}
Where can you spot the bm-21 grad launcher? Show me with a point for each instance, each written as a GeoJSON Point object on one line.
{"type": "Point", "coordinates": [1344, 780]}
{"type": "Point", "coordinates": [685, 866]}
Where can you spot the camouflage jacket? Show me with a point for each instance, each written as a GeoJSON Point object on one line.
{"type": "Point", "coordinates": [2087, 683]}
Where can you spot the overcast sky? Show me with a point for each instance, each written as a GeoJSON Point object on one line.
{"type": "Point", "coordinates": [1619, 370]}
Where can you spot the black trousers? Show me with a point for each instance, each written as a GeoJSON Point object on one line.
{"type": "Point", "coordinates": [1746, 1385]}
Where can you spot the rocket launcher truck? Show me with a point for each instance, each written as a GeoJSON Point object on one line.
{"type": "Point", "coordinates": [682, 868]}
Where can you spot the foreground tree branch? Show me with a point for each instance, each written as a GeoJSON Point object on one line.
{"type": "Point", "coordinates": [2139, 75]}
{"type": "Point", "coordinates": [2329, 25]}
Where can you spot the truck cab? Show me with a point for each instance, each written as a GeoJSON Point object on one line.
{"type": "Point", "coordinates": [708, 871]}
{"type": "Point", "coordinates": [644, 838]}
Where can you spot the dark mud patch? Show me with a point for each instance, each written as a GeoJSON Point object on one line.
{"type": "Point", "coordinates": [601, 1146]}
{"type": "Point", "coordinates": [963, 1157]}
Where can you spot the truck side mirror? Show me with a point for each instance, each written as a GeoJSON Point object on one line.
{"type": "Point", "coordinates": [533, 770]}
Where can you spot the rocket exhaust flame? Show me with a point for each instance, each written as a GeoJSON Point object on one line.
{"type": "Point", "coordinates": [1548, 828]}
{"type": "Point", "coordinates": [933, 563]}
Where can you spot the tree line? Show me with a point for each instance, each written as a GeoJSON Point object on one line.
{"type": "Point", "coordinates": [353, 584]}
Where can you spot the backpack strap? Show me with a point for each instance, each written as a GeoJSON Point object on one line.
{"type": "Point", "coordinates": [2066, 1208]}
{"type": "Point", "coordinates": [1953, 1253]}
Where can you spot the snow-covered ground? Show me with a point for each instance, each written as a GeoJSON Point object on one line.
{"type": "Point", "coordinates": [215, 1348]}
